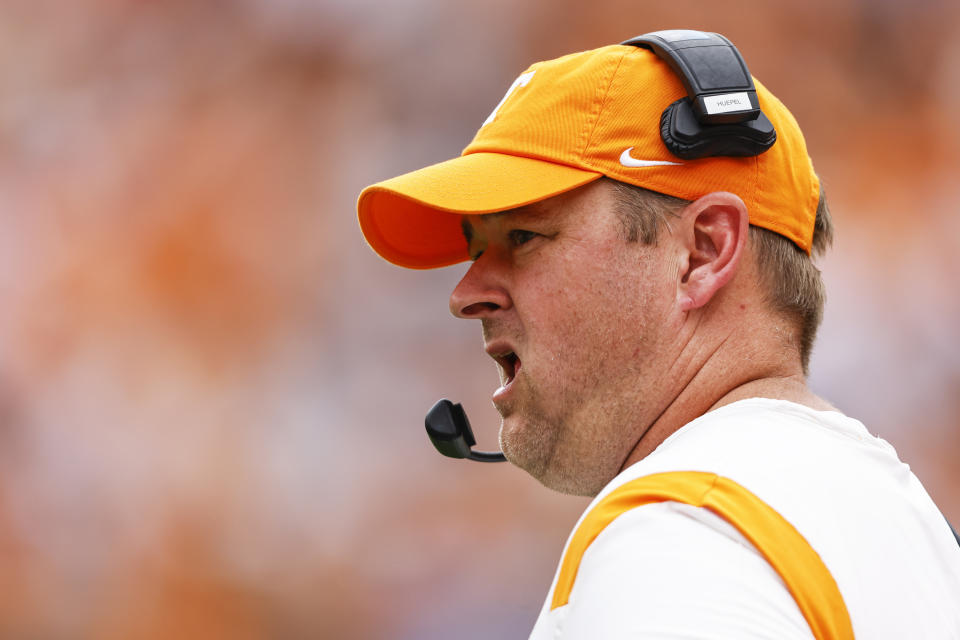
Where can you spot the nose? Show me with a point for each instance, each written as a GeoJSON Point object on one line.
{"type": "Point", "coordinates": [481, 292]}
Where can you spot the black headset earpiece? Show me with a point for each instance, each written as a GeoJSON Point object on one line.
{"type": "Point", "coordinates": [721, 115]}
{"type": "Point", "coordinates": [450, 432]}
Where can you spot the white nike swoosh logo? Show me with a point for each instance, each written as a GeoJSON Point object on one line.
{"type": "Point", "coordinates": [629, 161]}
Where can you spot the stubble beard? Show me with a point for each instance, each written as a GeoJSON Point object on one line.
{"type": "Point", "coordinates": [530, 444]}
{"type": "Point", "coordinates": [551, 446]}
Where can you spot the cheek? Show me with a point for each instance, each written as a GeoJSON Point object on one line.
{"type": "Point", "coordinates": [625, 316]}
{"type": "Point", "coordinates": [579, 324]}
{"type": "Point", "coordinates": [595, 310]}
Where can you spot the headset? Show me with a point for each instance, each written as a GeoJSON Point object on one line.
{"type": "Point", "coordinates": [719, 116]}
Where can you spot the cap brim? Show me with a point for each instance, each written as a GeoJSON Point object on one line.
{"type": "Point", "coordinates": [409, 220]}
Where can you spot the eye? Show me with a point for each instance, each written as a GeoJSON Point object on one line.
{"type": "Point", "coordinates": [519, 237]}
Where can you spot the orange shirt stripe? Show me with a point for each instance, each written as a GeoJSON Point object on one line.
{"type": "Point", "coordinates": [807, 578]}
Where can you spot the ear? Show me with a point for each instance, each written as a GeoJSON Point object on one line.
{"type": "Point", "coordinates": [713, 235]}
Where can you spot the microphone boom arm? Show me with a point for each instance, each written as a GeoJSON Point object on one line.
{"type": "Point", "coordinates": [449, 430]}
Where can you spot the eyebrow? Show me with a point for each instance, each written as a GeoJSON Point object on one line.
{"type": "Point", "coordinates": [525, 212]}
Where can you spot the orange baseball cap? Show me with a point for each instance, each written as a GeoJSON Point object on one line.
{"type": "Point", "coordinates": [566, 122]}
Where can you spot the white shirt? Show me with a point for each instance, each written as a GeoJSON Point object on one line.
{"type": "Point", "coordinates": [670, 570]}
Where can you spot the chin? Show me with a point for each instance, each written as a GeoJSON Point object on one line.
{"type": "Point", "coordinates": [533, 448]}
{"type": "Point", "coordinates": [525, 445]}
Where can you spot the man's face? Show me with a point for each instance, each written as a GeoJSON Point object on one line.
{"type": "Point", "coordinates": [584, 327]}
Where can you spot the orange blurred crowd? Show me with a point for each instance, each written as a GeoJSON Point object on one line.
{"type": "Point", "coordinates": [212, 391]}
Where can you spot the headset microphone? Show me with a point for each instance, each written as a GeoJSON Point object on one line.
{"type": "Point", "coordinates": [450, 432]}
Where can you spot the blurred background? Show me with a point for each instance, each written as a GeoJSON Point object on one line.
{"type": "Point", "coordinates": [211, 390]}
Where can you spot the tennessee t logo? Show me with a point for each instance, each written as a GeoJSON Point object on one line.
{"type": "Point", "coordinates": [522, 81]}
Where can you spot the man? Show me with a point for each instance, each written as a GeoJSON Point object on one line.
{"type": "Point", "coordinates": [650, 300]}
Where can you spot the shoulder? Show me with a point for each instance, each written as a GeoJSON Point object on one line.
{"type": "Point", "coordinates": [846, 492]}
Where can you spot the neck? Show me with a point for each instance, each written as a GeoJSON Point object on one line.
{"type": "Point", "coordinates": [793, 388]}
{"type": "Point", "coordinates": [723, 379]}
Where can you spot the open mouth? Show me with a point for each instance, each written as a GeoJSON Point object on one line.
{"type": "Point", "coordinates": [509, 365]}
